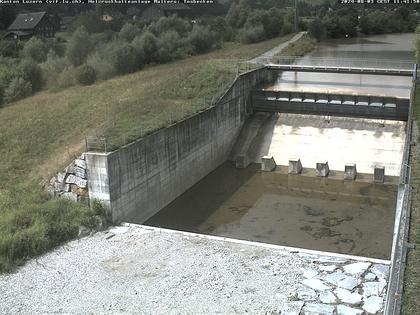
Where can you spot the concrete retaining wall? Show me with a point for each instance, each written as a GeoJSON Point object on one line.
{"type": "Point", "coordinates": [141, 178]}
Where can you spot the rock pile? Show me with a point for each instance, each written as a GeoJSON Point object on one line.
{"type": "Point", "coordinates": [72, 182]}
{"type": "Point", "coordinates": [341, 287]}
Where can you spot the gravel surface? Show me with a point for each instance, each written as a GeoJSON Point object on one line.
{"type": "Point", "coordinates": [132, 269]}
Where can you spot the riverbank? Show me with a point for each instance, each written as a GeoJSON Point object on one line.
{"type": "Point", "coordinates": [411, 295]}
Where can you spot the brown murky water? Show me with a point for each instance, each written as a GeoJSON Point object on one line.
{"type": "Point", "coordinates": [301, 211]}
{"type": "Point", "coordinates": [383, 51]}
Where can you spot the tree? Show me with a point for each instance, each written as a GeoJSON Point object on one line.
{"type": "Point", "coordinates": [418, 43]}
{"type": "Point", "coordinates": [317, 29]}
{"type": "Point", "coordinates": [145, 46]}
{"type": "Point", "coordinates": [36, 49]}
{"type": "Point", "coordinates": [124, 58]}
{"type": "Point", "coordinates": [32, 73]}
{"type": "Point", "coordinates": [128, 32]}
{"type": "Point", "coordinates": [201, 38]}
{"type": "Point", "coordinates": [238, 14]}
{"type": "Point", "coordinates": [7, 15]}
{"type": "Point", "coordinates": [79, 47]}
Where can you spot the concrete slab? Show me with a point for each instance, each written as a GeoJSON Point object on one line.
{"type": "Point", "coordinates": [337, 140]}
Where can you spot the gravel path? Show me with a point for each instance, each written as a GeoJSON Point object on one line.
{"type": "Point", "coordinates": [272, 52]}
{"type": "Point", "coordinates": [132, 270]}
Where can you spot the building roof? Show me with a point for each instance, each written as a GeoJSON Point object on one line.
{"type": "Point", "coordinates": [172, 6]}
{"type": "Point", "coordinates": [26, 21]}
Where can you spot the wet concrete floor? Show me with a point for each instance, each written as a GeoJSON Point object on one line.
{"type": "Point", "coordinates": [332, 215]}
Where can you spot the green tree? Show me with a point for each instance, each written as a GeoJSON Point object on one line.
{"type": "Point", "coordinates": [201, 38]}
{"type": "Point", "coordinates": [238, 14]}
{"type": "Point", "coordinates": [146, 46]}
{"type": "Point", "coordinates": [32, 73]}
{"type": "Point", "coordinates": [79, 47]}
{"type": "Point", "coordinates": [317, 29]}
{"type": "Point", "coordinates": [418, 43]}
{"type": "Point", "coordinates": [36, 49]}
{"type": "Point", "coordinates": [128, 32]}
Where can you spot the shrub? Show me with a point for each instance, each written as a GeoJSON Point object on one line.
{"type": "Point", "coordinates": [52, 68]}
{"type": "Point", "coordinates": [66, 78]}
{"type": "Point", "coordinates": [252, 35]}
{"type": "Point", "coordinates": [10, 48]}
{"type": "Point", "coordinates": [103, 68]}
{"type": "Point", "coordinates": [287, 28]}
{"type": "Point", "coordinates": [146, 47]}
{"type": "Point", "coordinates": [32, 73]}
{"type": "Point", "coordinates": [123, 58]}
{"type": "Point", "coordinates": [201, 38]}
{"type": "Point", "coordinates": [35, 49]}
{"type": "Point", "coordinates": [79, 47]}
{"type": "Point", "coordinates": [18, 88]}
{"type": "Point", "coordinates": [168, 46]}
{"type": "Point", "coordinates": [128, 32]}
{"type": "Point", "coordinates": [317, 29]}
{"type": "Point", "coordinates": [238, 14]}
{"type": "Point", "coordinates": [171, 23]}
{"type": "Point", "coordinates": [85, 75]}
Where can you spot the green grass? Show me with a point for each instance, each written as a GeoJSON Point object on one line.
{"type": "Point", "coordinates": [299, 48]}
{"type": "Point", "coordinates": [411, 296]}
{"type": "Point", "coordinates": [39, 136]}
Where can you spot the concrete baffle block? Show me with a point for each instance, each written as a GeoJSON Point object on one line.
{"type": "Point", "coordinates": [322, 169]}
{"type": "Point", "coordinates": [268, 164]}
{"type": "Point", "coordinates": [295, 166]}
{"type": "Point", "coordinates": [242, 161]}
{"type": "Point", "coordinates": [350, 171]}
{"type": "Point", "coordinates": [379, 174]}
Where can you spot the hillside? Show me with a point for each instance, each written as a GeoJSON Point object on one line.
{"type": "Point", "coordinates": [41, 134]}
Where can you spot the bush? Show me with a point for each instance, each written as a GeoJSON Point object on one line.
{"type": "Point", "coordinates": [201, 38]}
{"type": "Point", "coordinates": [85, 75]}
{"type": "Point", "coordinates": [79, 47]}
{"type": "Point", "coordinates": [66, 78]}
{"type": "Point", "coordinates": [35, 49]}
{"type": "Point", "coordinates": [317, 29]}
{"type": "Point", "coordinates": [128, 32]}
{"type": "Point", "coordinates": [146, 47]}
{"type": "Point", "coordinates": [287, 28]}
{"type": "Point", "coordinates": [123, 57]}
{"type": "Point", "coordinates": [52, 68]}
{"type": "Point", "coordinates": [18, 88]}
{"type": "Point", "coordinates": [238, 14]}
{"type": "Point", "coordinates": [103, 68]}
{"type": "Point", "coordinates": [10, 48]}
{"type": "Point", "coordinates": [168, 47]}
{"type": "Point", "coordinates": [171, 23]}
{"type": "Point", "coordinates": [252, 35]}
{"type": "Point", "coordinates": [32, 73]}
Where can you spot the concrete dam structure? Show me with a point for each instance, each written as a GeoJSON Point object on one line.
{"type": "Point", "coordinates": [302, 169]}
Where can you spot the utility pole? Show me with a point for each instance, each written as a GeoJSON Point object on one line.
{"type": "Point", "coordinates": [296, 16]}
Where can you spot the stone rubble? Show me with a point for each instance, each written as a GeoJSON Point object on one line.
{"type": "Point", "coordinates": [72, 183]}
{"type": "Point", "coordinates": [343, 287]}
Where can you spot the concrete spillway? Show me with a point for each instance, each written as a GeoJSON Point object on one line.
{"type": "Point", "coordinates": [313, 139]}
{"type": "Point", "coordinates": [174, 177]}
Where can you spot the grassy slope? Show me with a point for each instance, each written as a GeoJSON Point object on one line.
{"type": "Point", "coordinates": [41, 134]}
{"type": "Point", "coordinates": [411, 297]}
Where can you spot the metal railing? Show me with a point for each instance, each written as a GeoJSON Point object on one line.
{"type": "Point", "coordinates": [339, 62]}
